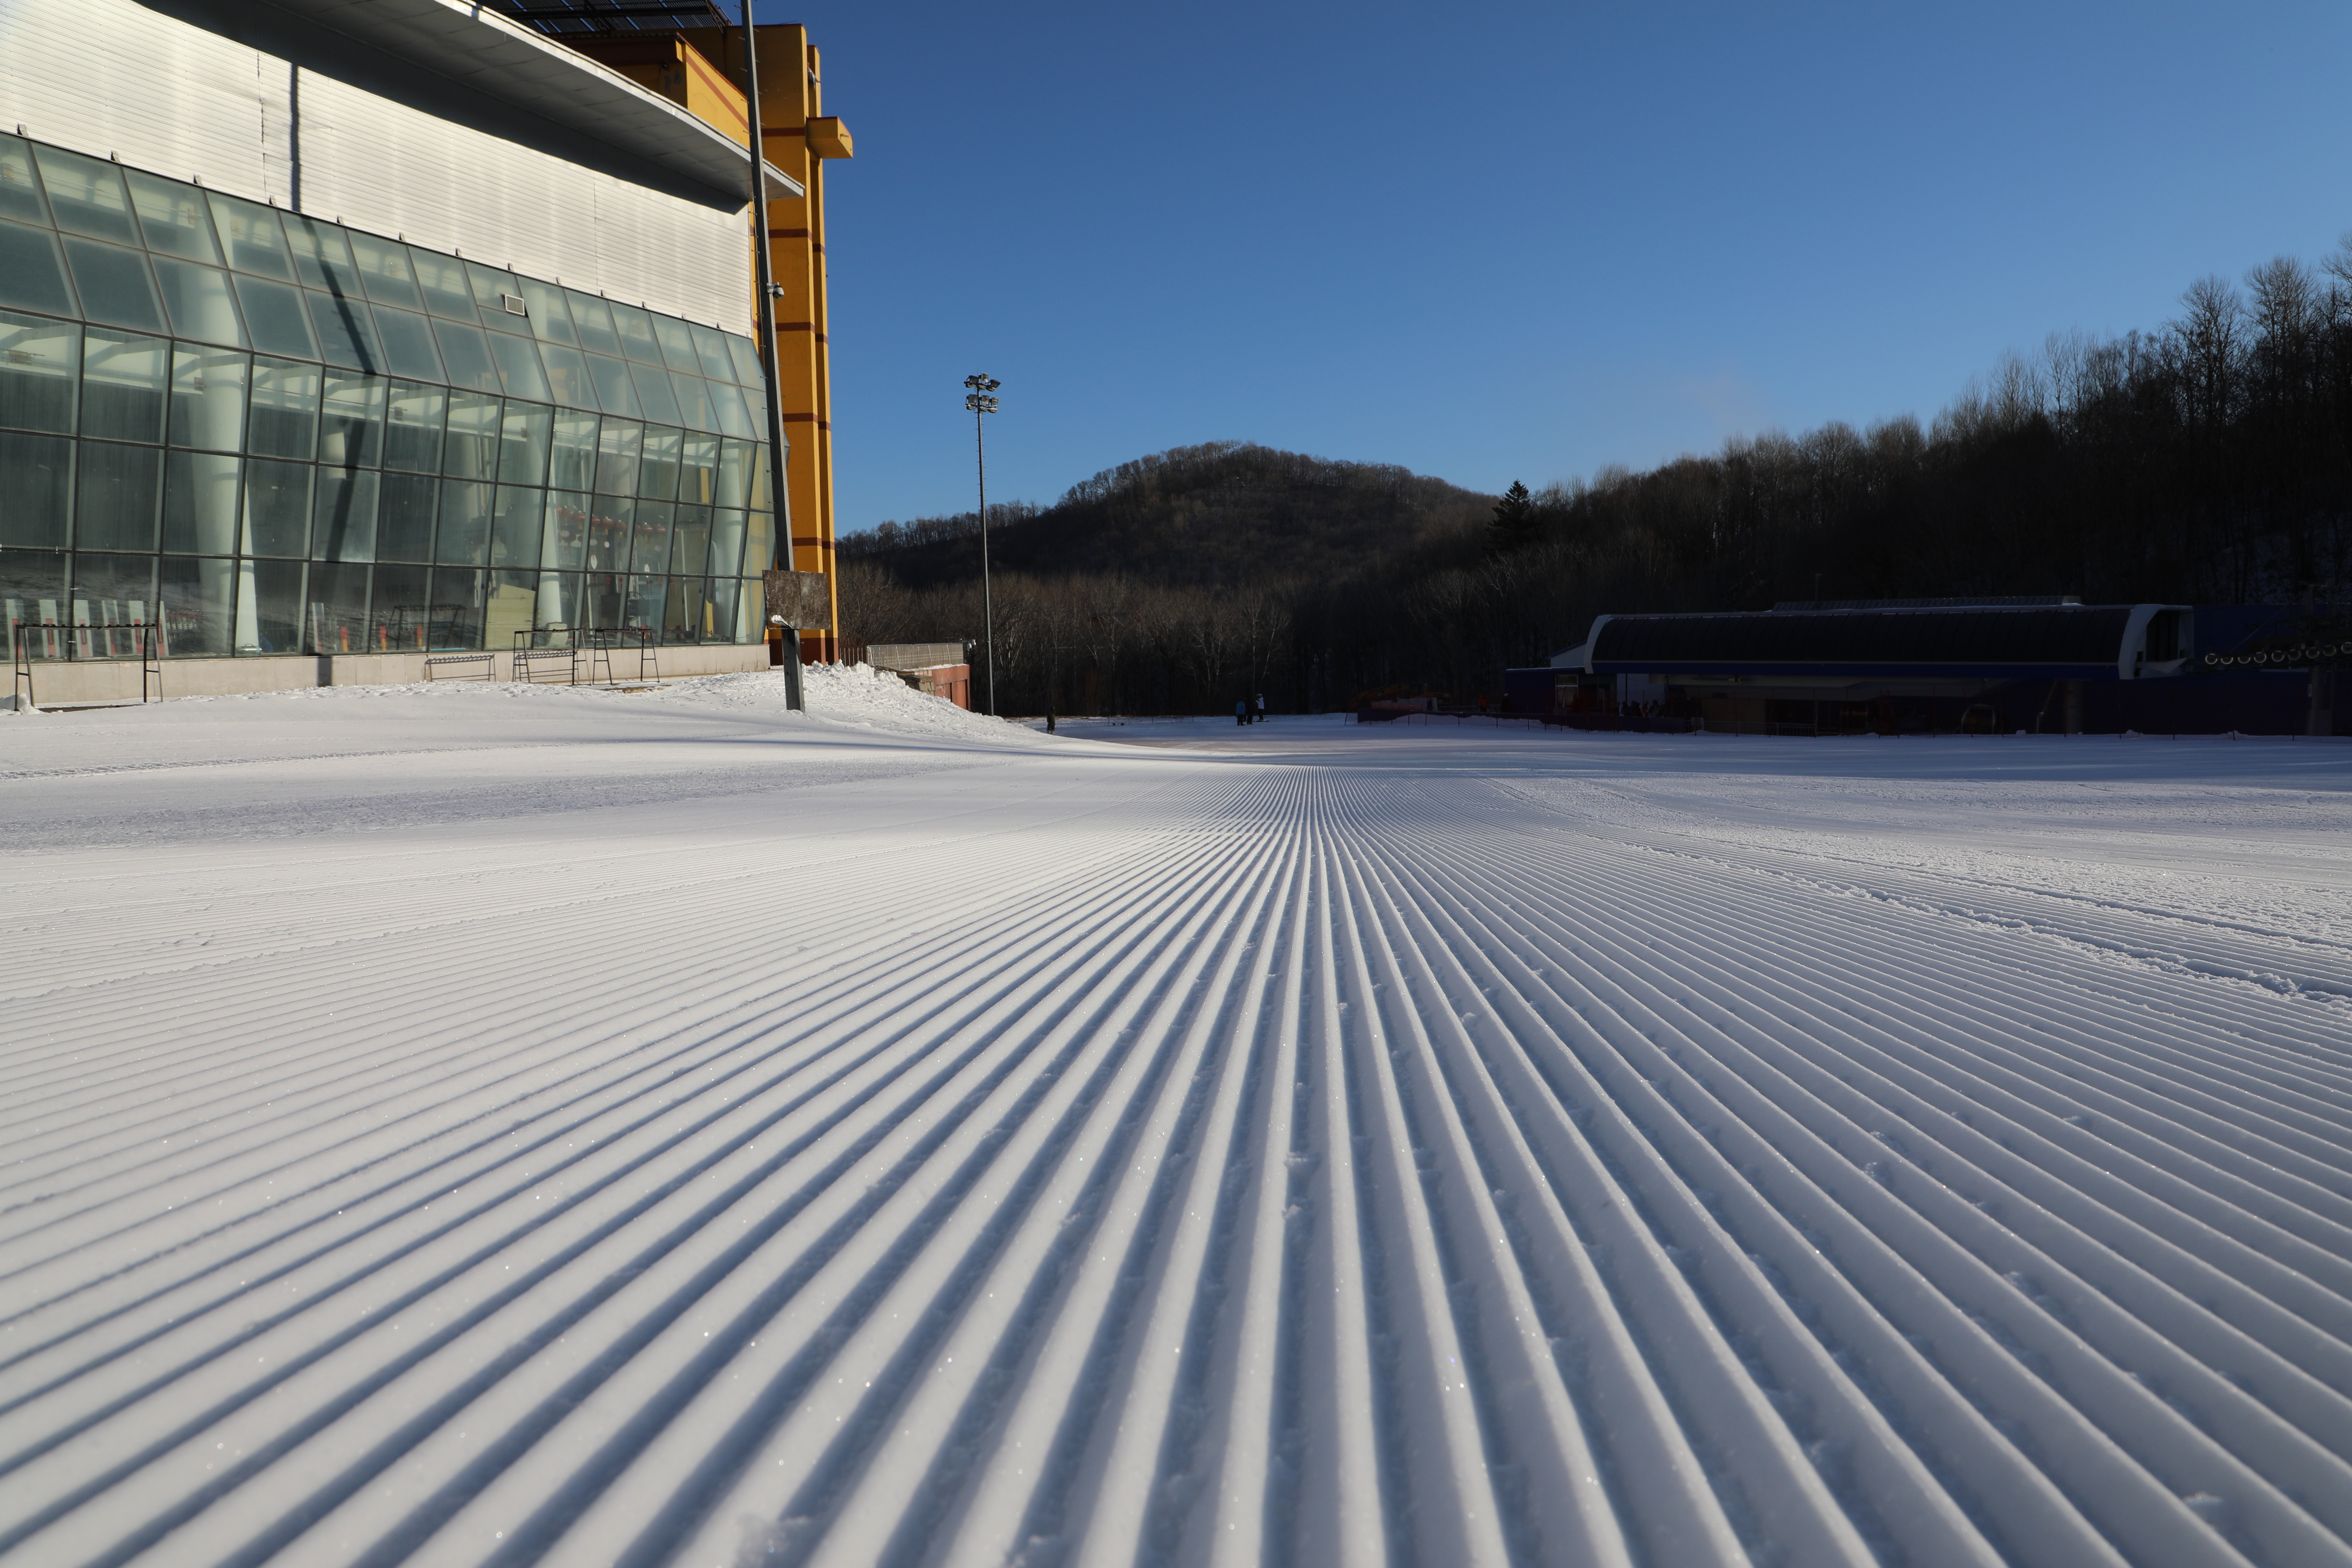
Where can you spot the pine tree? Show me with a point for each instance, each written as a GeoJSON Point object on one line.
{"type": "Point", "coordinates": [1516, 522]}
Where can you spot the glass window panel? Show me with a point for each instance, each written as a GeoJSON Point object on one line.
{"type": "Point", "coordinates": [514, 530]}
{"type": "Point", "coordinates": [115, 285]}
{"type": "Point", "coordinates": [682, 607]}
{"type": "Point", "coordinates": [471, 451]}
{"type": "Point", "coordinates": [276, 508]}
{"type": "Point", "coordinates": [116, 496]}
{"type": "Point", "coordinates": [123, 382]}
{"type": "Point", "coordinates": [336, 622]}
{"type": "Point", "coordinates": [346, 330]}
{"type": "Point", "coordinates": [268, 607]}
{"type": "Point", "coordinates": [690, 546]}
{"type": "Point", "coordinates": [274, 313]}
{"type": "Point", "coordinates": [594, 320]}
{"type": "Point", "coordinates": [465, 352]}
{"type": "Point", "coordinates": [749, 371]}
{"type": "Point", "coordinates": [207, 398]}
{"type": "Point", "coordinates": [620, 449]}
{"type": "Point", "coordinates": [726, 543]}
{"type": "Point", "coordinates": [710, 354]}
{"type": "Point", "coordinates": [384, 270]}
{"type": "Point", "coordinates": [635, 327]}
{"type": "Point", "coordinates": [523, 437]}
{"type": "Point", "coordinates": [413, 428]}
{"type": "Point", "coordinates": [610, 520]}
{"type": "Point", "coordinates": [658, 478]}
{"type": "Point", "coordinates": [200, 496]}
{"type": "Point", "coordinates": [285, 418]}
{"type": "Point", "coordinates": [408, 344]}
{"type": "Point", "coordinates": [400, 610]}
{"type": "Point", "coordinates": [256, 243]}
{"type": "Point", "coordinates": [442, 280]}
{"type": "Point", "coordinates": [41, 362]}
{"type": "Point", "coordinates": [697, 481]}
{"type": "Point", "coordinates": [32, 272]}
{"type": "Point", "coordinates": [567, 376]}
{"type": "Point", "coordinates": [763, 477]}
{"type": "Point", "coordinates": [405, 508]}
{"type": "Point", "coordinates": [172, 218]}
{"type": "Point", "coordinates": [518, 371]}
{"type": "Point", "coordinates": [33, 594]}
{"type": "Point", "coordinates": [36, 476]}
{"type": "Point", "coordinates": [760, 545]}
{"type": "Point", "coordinates": [559, 607]}
{"type": "Point", "coordinates": [202, 304]}
{"type": "Point", "coordinates": [20, 194]}
{"type": "Point", "coordinates": [563, 544]}
{"type": "Point", "coordinates": [574, 466]}
{"type": "Point", "coordinates": [677, 342]}
{"type": "Point", "coordinates": [649, 541]}
{"type": "Point", "coordinates": [733, 485]}
{"type": "Point", "coordinates": [735, 414]}
{"type": "Point", "coordinates": [490, 287]}
{"type": "Point", "coordinates": [199, 606]}
{"type": "Point", "coordinates": [510, 608]}
{"type": "Point", "coordinates": [726, 594]}
{"type": "Point", "coordinates": [351, 421]}
{"type": "Point", "coordinates": [321, 257]}
{"type": "Point", "coordinates": [615, 388]}
{"type": "Point", "coordinates": [343, 520]}
{"type": "Point", "coordinates": [655, 394]}
{"type": "Point", "coordinates": [549, 317]}
{"type": "Point", "coordinates": [694, 402]}
{"type": "Point", "coordinates": [463, 538]}
{"type": "Point", "coordinates": [457, 601]}
{"type": "Point", "coordinates": [85, 194]}
{"type": "Point", "coordinates": [113, 591]}
{"type": "Point", "coordinates": [643, 603]}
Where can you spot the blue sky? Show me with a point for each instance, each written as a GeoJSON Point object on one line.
{"type": "Point", "coordinates": [1520, 241]}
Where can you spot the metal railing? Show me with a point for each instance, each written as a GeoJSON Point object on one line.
{"type": "Point", "coordinates": [69, 643]}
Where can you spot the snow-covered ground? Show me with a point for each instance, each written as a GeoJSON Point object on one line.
{"type": "Point", "coordinates": [479, 1125]}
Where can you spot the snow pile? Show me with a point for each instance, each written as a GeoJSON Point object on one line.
{"type": "Point", "coordinates": [854, 694]}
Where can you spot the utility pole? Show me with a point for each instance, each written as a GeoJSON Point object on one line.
{"type": "Point", "coordinates": [777, 496]}
{"type": "Point", "coordinates": [980, 401]}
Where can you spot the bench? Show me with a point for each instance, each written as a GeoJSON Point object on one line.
{"type": "Point", "coordinates": [488, 669]}
{"type": "Point", "coordinates": [525, 656]}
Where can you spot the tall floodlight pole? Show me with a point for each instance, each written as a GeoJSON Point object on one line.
{"type": "Point", "coordinates": [981, 403]}
{"type": "Point", "coordinates": [777, 496]}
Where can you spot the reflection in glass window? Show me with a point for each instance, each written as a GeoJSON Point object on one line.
{"type": "Point", "coordinates": [574, 466]}
{"type": "Point", "coordinates": [514, 529]}
{"type": "Point", "coordinates": [725, 618]}
{"type": "Point", "coordinates": [336, 598]}
{"type": "Point", "coordinates": [413, 428]}
{"type": "Point", "coordinates": [594, 321]}
{"type": "Point", "coordinates": [200, 301]}
{"type": "Point", "coordinates": [207, 398]}
{"type": "Point", "coordinates": [384, 272]}
{"type": "Point", "coordinates": [268, 607]}
{"type": "Point", "coordinates": [199, 606]}
{"type": "Point", "coordinates": [635, 327]}
{"type": "Point", "coordinates": [610, 518]}
{"type": "Point", "coordinates": [749, 371]}
{"type": "Point", "coordinates": [40, 362]}
{"type": "Point", "coordinates": [32, 271]}
{"type": "Point", "coordinates": [85, 194]}
{"type": "Point", "coordinates": [694, 402]}
{"type": "Point", "coordinates": [564, 543]}
{"type": "Point", "coordinates": [255, 242]}
{"type": "Point", "coordinates": [550, 321]}
{"type": "Point", "coordinates": [285, 418]}
{"type": "Point", "coordinates": [509, 607]}
{"type": "Point", "coordinates": [649, 550]}
{"type": "Point", "coordinates": [710, 349]}
{"type": "Point", "coordinates": [172, 218]}
{"type": "Point", "coordinates": [726, 543]}
{"type": "Point", "coordinates": [735, 415]}
{"type": "Point", "coordinates": [471, 450]}
{"type": "Point", "coordinates": [463, 536]}
{"type": "Point", "coordinates": [32, 594]}
{"type": "Point", "coordinates": [116, 496]}
{"type": "Point", "coordinates": [644, 600]}
{"type": "Point", "coordinates": [759, 544]}
{"type": "Point", "coordinates": [731, 487]}
{"type": "Point", "coordinates": [466, 354]}
{"type": "Point", "coordinates": [200, 510]}
{"type": "Point", "coordinates": [658, 478]}
{"type": "Point", "coordinates": [346, 330]}
{"type": "Point", "coordinates": [351, 423]}
{"type": "Point", "coordinates": [274, 314]}
{"type": "Point", "coordinates": [400, 610]}
{"type": "Point", "coordinates": [620, 446]}
{"type": "Point", "coordinates": [321, 259]}
{"type": "Point", "coordinates": [558, 608]}
{"type": "Point", "coordinates": [763, 479]}
{"type": "Point", "coordinates": [458, 603]}
{"type": "Point", "coordinates": [115, 285]}
{"type": "Point", "coordinates": [405, 508]}
{"type": "Point", "coordinates": [567, 376]}
{"type": "Point", "coordinates": [655, 394]}
{"type": "Point", "coordinates": [408, 349]}
{"type": "Point", "coordinates": [522, 442]}
{"type": "Point", "coordinates": [276, 508]}
{"type": "Point", "coordinates": [615, 388]}
{"type": "Point", "coordinates": [697, 480]}
{"type": "Point", "coordinates": [677, 345]}
{"type": "Point", "coordinates": [689, 547]}
{"type": "Point", "coordinates": [20, 194]}
{"type": "Point", "coordinates": [490, 288]}
{"type": "Point", "coordinates": [518, 371]}
{"type": "Point", "coordinates": [113, 591]}
{"type": "Point", "coordinates": [442, 280]}
{"type": "Point", "coordinates": [342, 524]}
{"type": "Point", "coordinates": [122, 385]}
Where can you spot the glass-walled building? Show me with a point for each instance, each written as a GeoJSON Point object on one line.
{"type": "Point", "coordinates": [269, 434]}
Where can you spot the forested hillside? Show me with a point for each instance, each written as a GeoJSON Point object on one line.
{"type": "Point", "coordinates": [2208, 460]}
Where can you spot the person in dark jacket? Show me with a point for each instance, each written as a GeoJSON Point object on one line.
{"type": "Point", "coordinates": [1241, 711]}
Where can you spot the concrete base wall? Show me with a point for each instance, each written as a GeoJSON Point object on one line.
{"type": "Point", "coordinates": [117, 680]}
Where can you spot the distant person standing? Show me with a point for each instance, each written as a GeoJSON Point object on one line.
{"type": "Point", "coordinates": [1241, 711]}
{"type": "Point", "coordinates": [1261, 708]}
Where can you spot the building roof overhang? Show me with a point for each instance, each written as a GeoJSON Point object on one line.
{"type": "Point", "coordinates": [491, 59]}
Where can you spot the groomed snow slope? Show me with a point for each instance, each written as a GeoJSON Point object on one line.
{"type": "Point", "coordinates": [502, 1126]}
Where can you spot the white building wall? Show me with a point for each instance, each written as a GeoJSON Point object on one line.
{"type": "Point", "coordinates": [114, 77]}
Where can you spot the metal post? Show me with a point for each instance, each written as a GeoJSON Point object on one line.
{"type": "Point", "coordinates": [779, 498]}
{"type": "Point", "coordinates": [979, 401]}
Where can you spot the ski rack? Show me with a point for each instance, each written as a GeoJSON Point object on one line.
{"type": "Point", "coordinates": [71, 635]}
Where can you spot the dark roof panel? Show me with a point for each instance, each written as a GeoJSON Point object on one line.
{"type": "Point", "coordinates": [1881, 642]}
